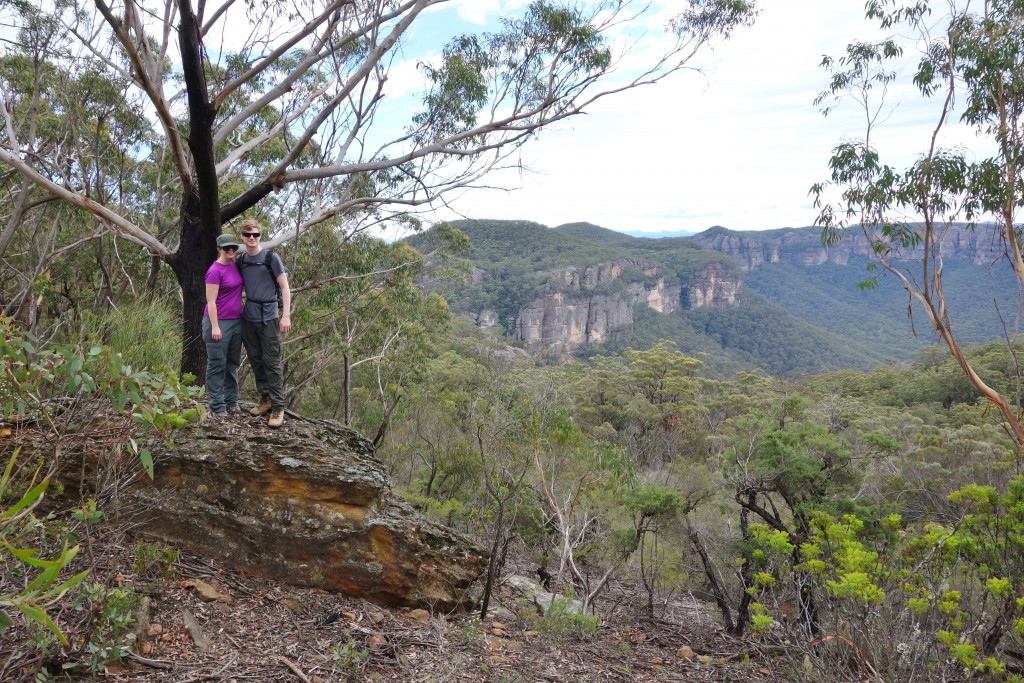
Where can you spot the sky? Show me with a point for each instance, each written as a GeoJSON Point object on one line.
{"type": "Point", "coordinates": [736, 144]}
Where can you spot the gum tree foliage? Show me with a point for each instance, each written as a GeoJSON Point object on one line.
{"type": "Point", "coordinates": [971, 65]}
{"type": "Point", "coordinates": [290, 111]}
{"type": "Point", "coordinates": [644, 402]}
{"type": "Point", "coordinates": [784, 468]}
{"type": "Point", "coordinates": [366, 319]}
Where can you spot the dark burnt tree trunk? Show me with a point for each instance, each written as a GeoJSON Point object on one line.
{"type": "Point", "coordinates": [201, 213]}
{"type": "Point", "coordinates": [190, 264]}
{"type": "Point", "coordinates": [200, 203]}
{"type": "Point", "coordinates": [745, 575]}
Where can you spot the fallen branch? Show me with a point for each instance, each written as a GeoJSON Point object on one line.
{"type": "Point", "coordinates": [153, 663]}
{"type": "Point", "coordinates": [295, 669]}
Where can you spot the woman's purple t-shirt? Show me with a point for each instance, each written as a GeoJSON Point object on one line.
{"type": "Point", "coordinates": [229, 296]}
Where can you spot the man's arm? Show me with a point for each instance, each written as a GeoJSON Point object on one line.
{"type": "Point", "coordinates": [286, 302]}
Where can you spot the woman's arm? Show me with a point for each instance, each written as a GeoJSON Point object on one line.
{"type": "Point", "coordinates": [211, 305]}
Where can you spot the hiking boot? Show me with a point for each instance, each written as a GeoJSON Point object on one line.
{"type": "Point", "coordinates": [234, 408]}
{"type": "Point", "coordinates": [263, 408]}
{"type": "Point", "coordinates": [276, 419]}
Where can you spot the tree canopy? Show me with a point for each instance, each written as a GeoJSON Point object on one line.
{"type": "Point", "coordinates": [973, 67]}
{"type": "Point", "coordinates": [164, 121]}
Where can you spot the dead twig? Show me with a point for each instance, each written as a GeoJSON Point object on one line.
{"type": "Point", "coordinates": [295, 669]}
{"type": "Point", "coordinates": [152, 663]}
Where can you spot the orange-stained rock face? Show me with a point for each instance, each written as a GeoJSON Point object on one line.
{"type": "Point", "coordinates": [307, 505]}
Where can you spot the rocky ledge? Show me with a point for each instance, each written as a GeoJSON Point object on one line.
{"type": "Point", "coordinates": [307, 505]}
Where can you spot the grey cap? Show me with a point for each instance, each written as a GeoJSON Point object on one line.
{"type": "Point", "coordinates": [227, 240]}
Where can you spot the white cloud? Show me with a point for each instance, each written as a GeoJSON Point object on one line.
{"type": "Point", "coordinates": [737, 145]}
{"type": "Point", "coordinates": [478, 12]}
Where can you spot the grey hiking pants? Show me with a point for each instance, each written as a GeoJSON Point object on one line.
{"type": "Point", "coordinates": [263, 346]}
{"type": "Point", "coordinates": [222, 360]}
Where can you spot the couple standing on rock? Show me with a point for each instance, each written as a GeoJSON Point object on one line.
{"type": "Point", "coordinates": [227, 324]}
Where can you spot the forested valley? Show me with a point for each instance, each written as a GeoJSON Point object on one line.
{"type": "Point", "coordinates": [813, 517]}
{"type": "Point", "coordinates": [557, 453]}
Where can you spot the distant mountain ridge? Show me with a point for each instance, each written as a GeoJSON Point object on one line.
{"type": "Point", "coordinates": [778, 299]}
{"type": "Point", "coordinates": [803, 246]}
{"type": "Point", "coordinates": [659, 234]}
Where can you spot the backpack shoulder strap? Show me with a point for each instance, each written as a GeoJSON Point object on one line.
{"type": "Point", "coordinates": [242, 264]}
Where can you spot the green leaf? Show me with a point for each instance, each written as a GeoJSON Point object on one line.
{"type": "Point", "coordinates": [28, 499]}
{"type": "Point", "coordinates": [63, 587]}
{"type": "Point", "coordinates": [46, 577]}
{"type": "Point", "coordinates": [39, 615]}
{"type": "Point", "coordinates": [27, 555]}
{"type": "Point", "coordinates": [7, 471]}
{"type": "Point", "coordinates": [147, 461]}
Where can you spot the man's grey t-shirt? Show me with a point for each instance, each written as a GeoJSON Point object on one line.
{"type": "Point", "coordinates": [260, 290]}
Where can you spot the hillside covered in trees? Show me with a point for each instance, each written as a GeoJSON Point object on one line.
{"type": "Point", "coordinates": [787, 510]}
{"type": "Point", "coordinates": [631, 480]}
{"type": "Point", "coordinates": [555, 453]}
{"type": "Point", "coordinates": [786, 316]}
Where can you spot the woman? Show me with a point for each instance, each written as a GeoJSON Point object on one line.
{"type": "Point", "coordinates": [222, 328]}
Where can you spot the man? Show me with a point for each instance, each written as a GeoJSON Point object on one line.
{"type": "Point", "coordinates": [261, 329]}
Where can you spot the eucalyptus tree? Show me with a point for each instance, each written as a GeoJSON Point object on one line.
{"type": "Point", "coordinates": [71, 113]}
{"type": "Point", "coordinates": [783, 473]}
{"type": "Point", "coordinates": [249, 100]}
{"type": "Point", "coordinates": [362, 304]}
{"type": "Point", "coordinates": [971, 65]}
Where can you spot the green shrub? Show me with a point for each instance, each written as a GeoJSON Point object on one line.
{"type": "Point", "coordinates": [347, 659]}
{"type": "Point", "coordinates": [146, 334]}
{"type": "Point", "coordinates": [561, 621]}
{"type": "Point", "coordinates": [37, 384]}
{"type": "Point", "coordinates": [154, 558]}
{"type": "Point", "coordinates": [113, 611]}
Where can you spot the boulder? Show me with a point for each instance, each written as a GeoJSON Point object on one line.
{"type": "Point", "coordinates": [540, 598]}
{"type": "Point", "coordinates": [307, 504]}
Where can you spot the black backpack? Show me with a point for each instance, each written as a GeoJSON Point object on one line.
{"type": "Point", "coordinates": [242, 264]}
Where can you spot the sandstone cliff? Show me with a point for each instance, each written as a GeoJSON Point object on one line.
{"type": "Point", "coordinates": [711, 287]}
{"type": "Point", "coordinates": [802, 246]}
{"type": "Point", "coordinates": [560, 323]}
{"type": "Point", "coordinates": [594, 303]}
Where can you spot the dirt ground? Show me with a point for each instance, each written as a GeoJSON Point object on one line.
{"type": "Point", "coordinates": [207, 622]}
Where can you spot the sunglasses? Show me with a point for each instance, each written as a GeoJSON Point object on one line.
{"type": "Point", "coordinates": [250, 234]}
{"type": "Point", "coordinates": [231, 248]}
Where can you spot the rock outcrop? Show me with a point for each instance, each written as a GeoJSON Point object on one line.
{"type": "Point", "coordinates": [711, 287]}
{"type": "Point", "coordinates": [602, 273]}
{"type": "Point", "coordinates": [802, 246]}
{"type": "Point", "coordinates": [594, 304]}
{"type": "Point", "coordinates": [663, 296]}
{"type": "Point", "coordinates": [560, 323]}
{"type": "Point", "coordinates": [586, 308]}
{"type": "Point", "coordinates": [307, 505]}
{"type": "Point", "coordinates": [484, 319]}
